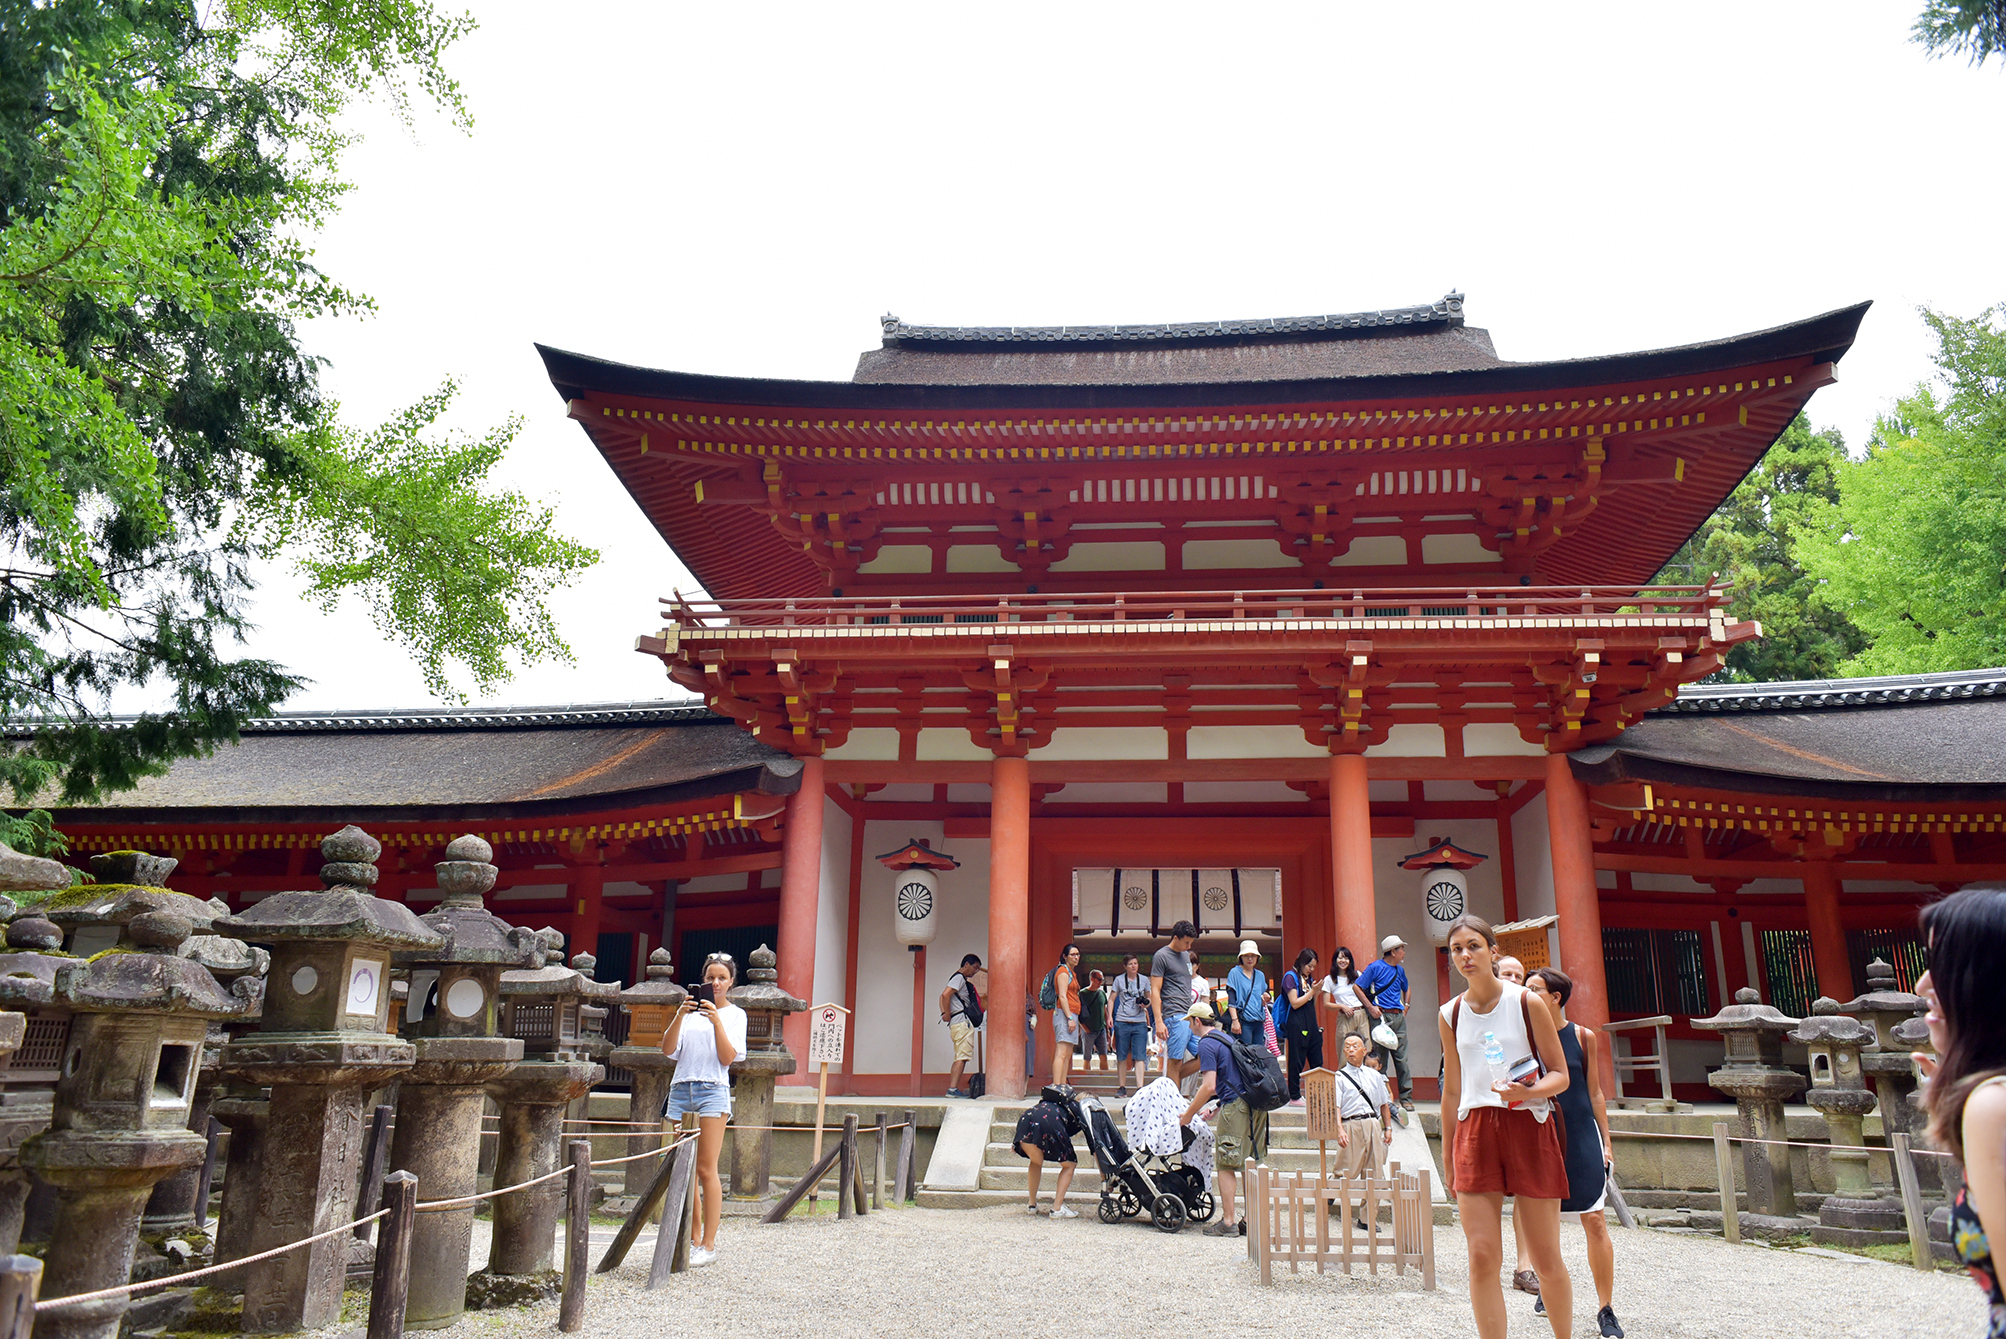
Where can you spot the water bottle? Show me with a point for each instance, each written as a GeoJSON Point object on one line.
{"type": "Point", "coordinates": [1494, 1056]}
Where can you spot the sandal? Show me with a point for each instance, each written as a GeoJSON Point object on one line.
{"type": "Point", "coordinates": [1526, 1281]}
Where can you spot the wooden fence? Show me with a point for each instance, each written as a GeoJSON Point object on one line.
{"type": "Point", "coordinates": [1306, 1218]}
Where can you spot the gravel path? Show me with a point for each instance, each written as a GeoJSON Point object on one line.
{"type": "Point", "coordinates": [1004, 1273]}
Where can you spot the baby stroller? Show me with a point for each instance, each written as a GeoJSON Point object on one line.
{"type": "Point", "coordinates": [1173, 1192]}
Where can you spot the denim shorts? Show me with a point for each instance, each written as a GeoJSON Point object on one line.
{"type": "Point", "coordinates": [1131, 1041]}
{"type": "Point", "coordinates": [706, 1097]}
{"type": "Point", "coordinates": [1178, 1045]}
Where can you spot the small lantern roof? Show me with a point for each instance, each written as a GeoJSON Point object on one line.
{"type": "Point", "coordinates": [761, 990]}
{"type": "Point", "coordinates": [916, 854]}
{"type": "Point", "coordinates": [344, 910]}
{"type": "Point", "coordinates": [146, 974]}
{"type": "Point", "coordinates": [658, 986]}
{"type": "Point", "coordinates": [1827, 1026]}
{"type": "Point", "coordinates": [1882, 995]}
{"type": "Point", "coordinates": [556, 981]}
{"type": "Point", "coordinates": [1442, 854]}
{"type": "Point", "coordinates": [469, 932]}
{"type": "Point", "coordinates": [1747, 1013]}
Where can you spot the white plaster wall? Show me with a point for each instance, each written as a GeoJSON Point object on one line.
{"type": "Point", "coordinates": [832, 905]}
{"type": "Point", "coordinates": [1535, 861]}
{"type": "Point", "coordinates": [883, 1023]}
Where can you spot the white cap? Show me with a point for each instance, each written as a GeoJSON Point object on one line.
{"type": "Point", "coordinates": [1391, 942]}
{"type": "Point", "coordinates": [1249, 946]}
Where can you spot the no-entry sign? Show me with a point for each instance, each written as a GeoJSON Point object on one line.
{"type": "Point", "coordinates": [826, 1028]}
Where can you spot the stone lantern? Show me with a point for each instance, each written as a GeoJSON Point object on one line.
{"type": "Point", "coordinates": [1852, 1216]}
{"type": "Point", "coordinates": [28, 985]}
{"type": "Point", "coordinates": [540, 1008]}
{"type": "Point", "coordinates": [320, 1048]}
{"type": "Point", "coordinates": [1884, 1008]}
{"type": "Point", "coordinates": [454, 1017]}
{"type": "Point", "coordinates": [1755, 1077]}
{"type": "Point", "coordinates": [766, 1057]}
{"type": "Point", "coordinates": [120, 1120]}
{"type": "Point", "coordinates": [651, 1006]}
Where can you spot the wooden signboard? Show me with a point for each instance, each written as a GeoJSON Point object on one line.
{"type": "Point", "coordinates": [1321, 1112]}
{"type": "Point", "coordinates": [1528, 946]}
{"type": "Point", "coordinates": [827, 1026]}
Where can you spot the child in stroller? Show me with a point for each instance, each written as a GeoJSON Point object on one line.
{"type": "Point", "coordinates": [1172, 1191]}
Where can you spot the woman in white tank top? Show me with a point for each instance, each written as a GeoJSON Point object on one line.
{"type": "Point", "coordinates": [1504, 1139]}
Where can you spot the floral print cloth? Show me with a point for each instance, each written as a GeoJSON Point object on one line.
{"type": "Point", "coordinates": [1967, 1236]}
{"type": "Point", "coordinates": [1153, 1127]}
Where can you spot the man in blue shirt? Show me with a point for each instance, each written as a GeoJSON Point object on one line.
{"type": "Point", "coordinates": [1383, 987]}
{"type": "Point", "coordinates": [1238, 1131]}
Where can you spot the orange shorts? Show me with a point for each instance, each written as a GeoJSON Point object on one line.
{"type": "Point", "coordinates": [1513, 1152]}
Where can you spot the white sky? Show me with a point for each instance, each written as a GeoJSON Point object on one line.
{"type": "Point", "coordinates": [745, 189]}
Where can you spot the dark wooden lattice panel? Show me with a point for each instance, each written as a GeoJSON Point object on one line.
{"type": "Point", "coordinates": [535, 1022]}
{"type": "Point", "coordinates": [41, 1053]}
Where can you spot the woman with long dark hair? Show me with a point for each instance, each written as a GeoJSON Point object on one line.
{"type": "Point", "coordinates": [1587, 1141]}
{"type": "Point", "coordinates": [1066, 1014]}
{"type": "Point", "coordinates": [1304, 1035]}
{"type": "Point", "coordinates": [1966, 1096]}
{"type": "Point", "coordinates": [1340, 996]}
{"type": "Point", "coordinates": [1500, 1137]}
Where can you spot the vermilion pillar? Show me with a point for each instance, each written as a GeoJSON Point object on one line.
{"type": "Point", "coordinates": [1575, 900]}
{"type": "Point", "coordinates": [588, 891]}
{"type": "Point", "coordinates": [1009, 922]}
{"type": "Point", "coordinates": [1351, 857]}
{"type": "Point", "coordinates": [1828, 933]}
{"type": "Point", "coordinates": [800, 895]}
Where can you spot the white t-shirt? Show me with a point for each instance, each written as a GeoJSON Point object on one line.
{"type": "Point", "coordinates": [957, 1003]}
{"type": "Point", "coordinates": [696, 1047]}
{"type": "Point", "coordinates": [1341, 992]}
{"type": "Point", "coordinates": [1507, 1019]}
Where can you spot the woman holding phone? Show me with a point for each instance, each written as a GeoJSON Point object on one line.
{"type": "Point", "coordinates": [1503, 1065]}
{"type": "Point", "coordinates": [706, 1035]}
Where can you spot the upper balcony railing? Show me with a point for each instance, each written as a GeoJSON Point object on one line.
{"type": "Point", "coordinates": [1417, 604]}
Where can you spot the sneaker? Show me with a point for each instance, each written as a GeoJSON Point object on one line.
{"type": "Point", "coordinates": [1399, 1117]}
{"type": "Point", "coordinates": [1220, 1229]}
{"type": "Point", "coordinates": [1361, 1225]}
{"type": "Point", "coordinates": [1121, 1092]}
{"type": "Point", "coordinates": [1406, 1104]}
{"type": "Point", "coordinates": [1032, 1207]}
{"type": "Point", "coordinates": [700, 1257]}
{"type": "Point", "coordinates": [1539, 1307]}
{"type": "Point", "coordinates": [1605, 1319]}
{"type": "Point", "coordinates": [1063, 1212]}
{"type": "Point", "coordinates": [956, 1092]}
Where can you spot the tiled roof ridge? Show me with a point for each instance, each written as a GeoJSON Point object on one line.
{"type": "Point", "coordinates": [1890, 690]}
{"type": "Point", "coordinates": [429, 718]}
{"type": "Point", "coordinates": [1448, 311]}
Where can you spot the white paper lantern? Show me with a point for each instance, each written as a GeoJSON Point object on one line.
{"type": "Point", "coordinates": [915, 905]}
{"type": "Point", "coordinates": [1446, 894]}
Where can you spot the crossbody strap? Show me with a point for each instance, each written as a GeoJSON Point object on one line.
{"type": "Point", "coordinates": [1361, 1092]}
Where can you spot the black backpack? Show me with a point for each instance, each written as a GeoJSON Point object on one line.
{"type": "Point", "coordinates": [971, 1008]}
{"type": "Point", "coordinates": [1260, 1073]}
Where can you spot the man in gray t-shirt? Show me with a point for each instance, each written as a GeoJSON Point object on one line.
{"type": "Point", "coordinates": [1170, 992]}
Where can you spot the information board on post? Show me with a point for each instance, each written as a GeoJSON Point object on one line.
{"type": "Point", "coordinates": [828, 1027]}
{"type": "Point", "coordinates": [1322, 1116]}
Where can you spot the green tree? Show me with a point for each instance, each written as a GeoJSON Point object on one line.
{"type": "Point", "coordinates": [163, 168]}
{"type": "Point", "coordinates": [1914, 549]}
{"type": "Point", "coordinates": [1751, 541]}
{"type": "Point", "coordinates": [1974, 28]}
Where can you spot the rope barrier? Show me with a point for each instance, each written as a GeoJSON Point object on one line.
{"type": "Point", "coordinates": [175, 1280]}
{"type": "Point", "coordinates": [1780, 1143]}
{"type": "Point", "coordinates": [439, 1206]}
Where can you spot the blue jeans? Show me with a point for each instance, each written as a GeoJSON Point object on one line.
{"type": "Point", "coordinates": [1131, 1042]}
{"type": "Point", "coordinates": [706, 1097]}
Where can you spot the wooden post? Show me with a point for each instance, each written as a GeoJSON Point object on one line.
{"type": "Point", "coordinates": [390, 1281]}
{"type": "Point", "coordinates": [821, 1100]}
{"type": "Point", "coordinates": [794, 1196]}
{"type": "Point", "coordinates": [643, 1212]}
{"type": "Point", "coordinates": [855, 1189]}
{"type": "Point", "coordinates": [577, 1237]}
{"type": "Point", "coordinates": [846, 1165]}
{"type": "Point", "coordinates": [907, 1139]}
{"type": "Point", "coordinates": [687, 1234]}
{"type": "Point", "coordinates": [1427, 1210]}
{"type": "Point", "coordinates": [20, 1285]}
{"type": "Point", "coordinates": [207, 1177]}
{"type": "Point", "coordinates": [375, 1161]}
{"type": "Point", "coordinates": [1723, 1156]}
{"type": "Point", "coordinates": [1912, 1210]}
{"type": "Point", "coordinates": [669, 1242]}
{"type": "Point", "coordinates": [878, 1185]}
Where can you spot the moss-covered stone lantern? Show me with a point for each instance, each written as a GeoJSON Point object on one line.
{"type": "Point", "coordinates": [28, 985]}
{"type": "Point", "coordinates": [320, 1048]}
{"type": "Point", "coordinates": [766, 1057]}
{"type": "Point", "coordinates": [1755, 1077]}
{"type": "Point", "coordinates": [454, 1019]}
{"type": "Point", "coordinates": [651, 1005]}
{"type": "Point", "coordinates": [120, 1120]}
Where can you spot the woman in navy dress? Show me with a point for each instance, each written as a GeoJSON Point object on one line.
{"type": "Point", "coordinates": [1587, 1145]}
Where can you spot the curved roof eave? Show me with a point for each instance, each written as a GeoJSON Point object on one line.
{"type": "Point", "coordinates": [1824, 338]}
